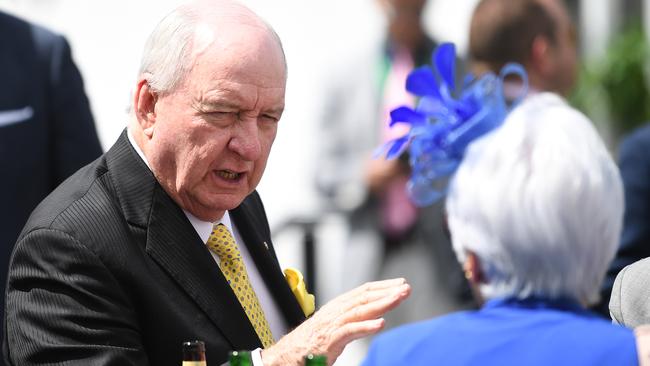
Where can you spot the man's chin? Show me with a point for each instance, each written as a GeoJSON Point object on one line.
{"type": "Point", "coordinates": [214, 207]}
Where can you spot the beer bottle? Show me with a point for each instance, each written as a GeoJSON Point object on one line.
{"type": "Point", "coordinates": [240, 358]}
{"type": "Point", "coordinates": [194, 353]}
{"type": "Point", "coordinates": [315, 360]}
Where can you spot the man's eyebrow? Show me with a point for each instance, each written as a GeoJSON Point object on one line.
{"type": "Point", "coordinates": [216, 104]}
{"type": "Point", "coordinates": [277, 111]}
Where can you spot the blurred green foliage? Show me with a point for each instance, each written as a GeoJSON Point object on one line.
{"type": "Point", "coordinates": [613, 90]}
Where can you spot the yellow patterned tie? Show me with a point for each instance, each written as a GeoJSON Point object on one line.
{"type": "Point", "coordinates": [222, 243]}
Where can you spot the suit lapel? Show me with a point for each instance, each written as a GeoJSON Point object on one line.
{"type": "Point", "coordinates": [249, 225]}
{"type": "Point", "coordinates": [174, 244]}
{"type": "Point", "coordinates": [190, 264]}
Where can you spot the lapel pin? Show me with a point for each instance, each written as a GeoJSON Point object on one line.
{"type": "Point", "coordinates": [266, 245]}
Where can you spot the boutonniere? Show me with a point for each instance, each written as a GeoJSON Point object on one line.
{"type": "Point", "coordinates": [297, 285]}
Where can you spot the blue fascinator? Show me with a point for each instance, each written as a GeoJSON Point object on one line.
{"type": "Point", "coordinates": [441, 126]}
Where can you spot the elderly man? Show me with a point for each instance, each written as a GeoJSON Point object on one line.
{"type": "Point", "coordinates": [164, 238]}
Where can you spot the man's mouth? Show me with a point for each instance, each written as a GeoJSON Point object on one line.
{"type": "Point", "coordinates": [228, 175]}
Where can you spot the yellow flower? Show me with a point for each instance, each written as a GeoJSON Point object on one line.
{"type": "Point", "coordinates": [297, 284]}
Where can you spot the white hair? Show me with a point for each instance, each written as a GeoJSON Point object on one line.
{"type": "Point", "coordinates": [540, 202]}
{"type": "Point", "coordinates": [169, 50]}
{"type": "Point", "coordinates": [166, 57]}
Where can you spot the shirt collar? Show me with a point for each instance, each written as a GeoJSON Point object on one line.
{"type": "Point", "coordinates": [136, 147]}
{"type": "Point", "coordinates": [534, 302]}
{"type": "Point", "coordinates": [204, 228]}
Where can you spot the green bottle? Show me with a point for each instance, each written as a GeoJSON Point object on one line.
{"type": "Point", "coordinates": [194, 353]}
{"type": "Point", "coordinates": [315, 360]}
{"type": "Point", "coordinates": [240, 358]}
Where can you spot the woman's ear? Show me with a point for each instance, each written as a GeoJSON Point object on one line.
{"type": "Point", "coordinates": [474, 275]}
{"type": "Point", "coordinates": [144, 105]}
{"type": "Point", "coordinates": [472, 268]}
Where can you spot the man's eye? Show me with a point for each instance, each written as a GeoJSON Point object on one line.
{"type": "Point", "coordinates": [221, 113]}
{"type": "Point", "coordinates": [269, 118]}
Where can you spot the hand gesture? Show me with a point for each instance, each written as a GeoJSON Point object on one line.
{"type": "Point", "coordinates": [353, 315]}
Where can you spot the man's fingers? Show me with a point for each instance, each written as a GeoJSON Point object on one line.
{"type": "Point", "coordinates": [379, 285]}
{"type": "Point", "coordinates": [352, 331]}
{"type": "Point", "coordinates": [368, 292]}
{"type": "Point", "coordinates": [378, 306]}
{"type": "Point", "coordinates": [376, 295]}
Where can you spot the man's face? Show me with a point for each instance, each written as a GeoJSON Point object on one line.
{"type": "Point", "coordinates": [404, 18]}
{"type": "Point", "coordinates": [213, 134]}
{"type": "Point", "coordinates": [564, 52]}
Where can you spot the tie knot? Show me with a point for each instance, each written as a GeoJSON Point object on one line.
{"type": "Point", "coordinates": [223, 244]}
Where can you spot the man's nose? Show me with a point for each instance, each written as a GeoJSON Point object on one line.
{"type": "Point", "coordinates": [245, 140]}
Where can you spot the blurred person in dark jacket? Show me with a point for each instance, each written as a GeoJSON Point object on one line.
{"type": "Point", "coordinates": [47, 131]}
{"type": "Point", "coordinates": [628, 275]}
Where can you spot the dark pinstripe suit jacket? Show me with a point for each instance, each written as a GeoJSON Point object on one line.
{"type": "Point", "coordinates": [109, 271]}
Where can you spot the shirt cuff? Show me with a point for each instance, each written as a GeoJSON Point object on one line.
{"type": "Point", "coordinates": [256, 355]}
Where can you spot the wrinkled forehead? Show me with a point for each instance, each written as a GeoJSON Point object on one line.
{"type": "Point", "coordinates": [237, 32]}
{"type": "Point", "coordinates": [243, 51]}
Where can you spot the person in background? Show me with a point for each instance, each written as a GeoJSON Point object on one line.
{"type": "Point", "coordinates": [537, 34]}
{"type": "Point", "coordinates": [628, 274]}
{"type": "Point", "coordinates": [535, 212]}
{"type": "Point", "coordinates": [47, 131]}
{"type": "Point", "coordinates": [393, 235]}
{"type": "Point", "coordinates": [164, 239]}
{"type": "Point", "coordinates": [540, 35]}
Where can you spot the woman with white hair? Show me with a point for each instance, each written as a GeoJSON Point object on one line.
{"type": "Point", "coordinates": [534, 210]}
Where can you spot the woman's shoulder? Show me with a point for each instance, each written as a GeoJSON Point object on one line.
{"type": "Point", "coordinates": [406, 342]}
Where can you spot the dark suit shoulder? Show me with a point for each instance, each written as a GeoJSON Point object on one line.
{"type": "Point", "coordinates": [76, 203]}
{"type": "Point", "coordinates": [637, 139]}
{"type": "Point", "coordinates": [32, 38]}
{"type": "Point", "coordinates": [9, 22]}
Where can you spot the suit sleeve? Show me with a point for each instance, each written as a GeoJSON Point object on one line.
{"type": "Point", "coordinates": [65, 307]}
{"type": "Point", "coordinates": [74, 142]}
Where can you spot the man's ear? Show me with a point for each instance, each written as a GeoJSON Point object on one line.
{"type": "Point", "coordinates": [144, 105]}
{"type": "Point", "coordinates": [541, 59]}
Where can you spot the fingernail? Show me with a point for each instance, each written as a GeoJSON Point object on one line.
{"type": "Point", "coordinates": [380, 322]}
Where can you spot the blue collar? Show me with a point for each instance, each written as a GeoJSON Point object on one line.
{"type": "Point", "coordinates": [534, 302]}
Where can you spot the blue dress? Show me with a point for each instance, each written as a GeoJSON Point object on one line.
{"type": "Point", "coordinates": [508, 332]}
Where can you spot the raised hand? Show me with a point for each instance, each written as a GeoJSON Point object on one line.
{"type": "Point", "coordinates": [352, 315]}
